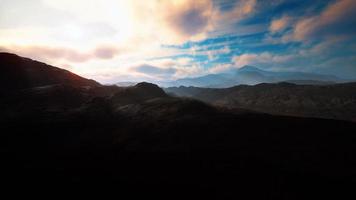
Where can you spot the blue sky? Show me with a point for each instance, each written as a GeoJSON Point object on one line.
{"type": "Point", "coordinates": [118, 40]}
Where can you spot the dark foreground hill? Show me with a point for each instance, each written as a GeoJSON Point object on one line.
{"type": "Point", "coordinates": [21, 73]}
{"type": "Point", "coordinates": [336, 101]}
{"type": "Point", "coordinates": [140, 142]}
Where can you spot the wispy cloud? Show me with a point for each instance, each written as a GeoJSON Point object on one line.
{"type": "Point", "coordinates": [259, 59]}
{"type": "Point", "coordinates": [280, 24]}
{"type": "Point", "coordinates": [338, 18]}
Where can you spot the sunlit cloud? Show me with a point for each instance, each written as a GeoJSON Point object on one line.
{"type": "Point", "coordinates": [70, 33]}
{"type": "Point", "coordinates": [280, 24]}
{"type": "Point", "coordinates": [167, 69]}
{"type": "Point", "coordinates": [219, 68]}
{"type": "Point", "coordinates": [52, 54]}
{"type": "Point", "coordinates": [337, 18]}
{"type": "Point", "coordinates": [120, 40]}
{"type": "Point", "coordinates": [258, 59]}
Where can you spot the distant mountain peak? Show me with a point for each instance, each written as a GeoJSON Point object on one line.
{"type": "Point", "coordinates": [249, 68]}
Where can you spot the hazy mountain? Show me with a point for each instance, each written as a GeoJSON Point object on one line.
{"type": "Point", "coordinates": [327, 101]}
{"type": "Point", "coordinates": [310, 82]}
{"type": "Point", "coordinates": [125, 84]}
{"type": "Point", "coordinates": [253, 75]}
{"type": "Point", "coordinates": [249, 75]}
{"type": "Point", "coordinates": [210, 80]}
{"type": "Point", "coordinates": [145, 143]}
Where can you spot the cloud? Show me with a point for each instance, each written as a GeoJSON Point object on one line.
{"type": "Point", "coordinates": [179, 21]}
{"type": "Point", "coordinates": [106, 52]}
{"type": "Point", "coordinates": [279, 24]}
{"type": "Point", "coordinates": [135, 30]}
{"type": "Point", "coordinates": [187, 18]}
{"type": "Point", "coordinates": [338, 18]}
{"type": "Point", "coordinates": [166, 69]}
{"type": "Point", "coordinates": [48, 54]}
{"type": "Point", "coordinates": [220, 68]}
{"type": "Point", "coordinates": [120, 38]}
{"type": "Point", "coordinates": [238, 12]}
{"type": "Point", "coordinates": [259, 59]}
{"type": "Point", "coordinates": [172, 22]}
{"type": "Point", "coordinates": [152, 70]}
{"type": "Point", "coordinates": [326, 47]}
{"type": "Point", "coordinates": [213, 54]}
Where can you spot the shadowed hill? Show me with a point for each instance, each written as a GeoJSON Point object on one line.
{"type": "Point", "coordinates": [22, 73]}
{"type": "Point", "coordinates": [138, 93]}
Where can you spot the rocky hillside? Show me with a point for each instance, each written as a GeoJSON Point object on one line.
{"type": "Point", "coordinates": [336, 101]}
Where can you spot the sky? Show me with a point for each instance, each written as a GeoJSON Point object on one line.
{"type": "Point", "coordinates": [161, 40]}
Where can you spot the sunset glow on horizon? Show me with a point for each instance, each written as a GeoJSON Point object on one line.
{"type": "Point", "coordinates": [133, 40]}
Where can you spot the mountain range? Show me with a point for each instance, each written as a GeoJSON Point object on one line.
{"type": "Point", "coordinates": [337, 101]}
{"type": "Point", "coordinates": [59, 129]}
{"type": "Point", "coordinates": [249, 75]}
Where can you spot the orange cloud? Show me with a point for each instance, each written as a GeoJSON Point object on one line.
{"type": "Point", "coordinates": [240, 10]}
{"type": "Point", "coordinates": [336, 18]}
{"type": "Point", "coordinates": [279, 24]}
{"type": "Point", "coordinates": [179, 21]}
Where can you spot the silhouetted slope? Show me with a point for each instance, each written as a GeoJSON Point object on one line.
{"type": "Point", "coordinates": [21, 73]}
{"type": "Point", "coordinates": [327, 101]}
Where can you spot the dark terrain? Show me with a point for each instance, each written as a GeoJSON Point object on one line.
{"type": "Point", "coordinates": [59, 129]}
{"type": "Point", "coordinates": [337, 101]}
